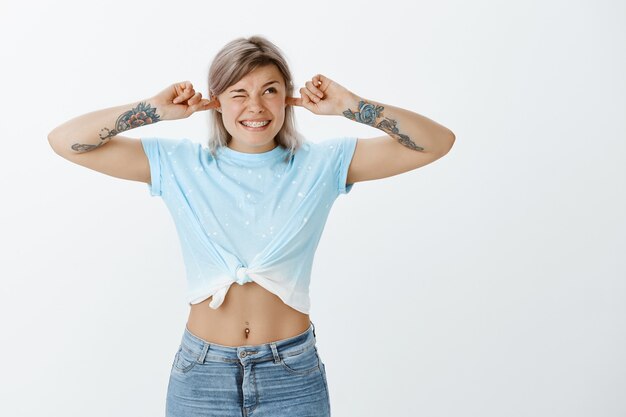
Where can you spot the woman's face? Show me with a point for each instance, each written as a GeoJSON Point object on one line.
{"type": "Point", "coordinates": [254, 97]}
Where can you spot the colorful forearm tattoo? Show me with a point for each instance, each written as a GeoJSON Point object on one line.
{"type": "Point", "coordinates": [369, 114]}
{"type": "Point", "coordinates": [141, 115]}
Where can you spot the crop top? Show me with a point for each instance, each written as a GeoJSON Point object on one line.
{"type": "Point", "coordinates": [243, 217]}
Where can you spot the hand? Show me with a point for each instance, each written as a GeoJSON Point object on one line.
{"type": "Point", "coordinates": [180, 100]}
{"type": "Point", "coordinates": [324, 96]}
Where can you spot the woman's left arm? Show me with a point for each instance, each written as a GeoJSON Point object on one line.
{"type": "Point", "coordinates": [414, 131]}
{"type": "Point", "coordinates": [411, 140]}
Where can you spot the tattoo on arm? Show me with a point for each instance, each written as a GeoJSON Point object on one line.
{"type": "Point", "coordinates": [141, 115]}
{"type": "Point", "coordinates": [369, 113]}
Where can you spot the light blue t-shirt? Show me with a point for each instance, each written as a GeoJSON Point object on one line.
{"type": "Point", "coordinates": [245, 217]}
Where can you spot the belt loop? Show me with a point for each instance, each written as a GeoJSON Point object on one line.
{"type": "Point", "coordinates": [313, 328]}
{"type": "Point", "coordinates": [275, 352]}
{"type": "Point", "coordinates": [204, 351]}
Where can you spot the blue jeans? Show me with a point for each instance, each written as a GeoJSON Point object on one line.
{"type": "Point", "coordinates": [284, 378]}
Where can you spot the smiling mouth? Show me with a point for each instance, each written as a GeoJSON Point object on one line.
{"type": "Point", "coordinates": [256, 126]}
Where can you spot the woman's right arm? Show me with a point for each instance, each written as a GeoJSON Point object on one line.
{"type": "Point", "coordinates": [93, 130]}
{"type": "Point", "coordinates": [85, 139]}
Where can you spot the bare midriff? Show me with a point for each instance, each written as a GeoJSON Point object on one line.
{"type": "Point", "coordinates": [249, 315]}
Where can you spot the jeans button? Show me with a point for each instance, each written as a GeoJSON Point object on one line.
{"type": "Point", "coordinates": [242, 354]}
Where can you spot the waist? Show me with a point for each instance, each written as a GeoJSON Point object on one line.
{"type": "Point", "coordinates": [252, 352]}
{"type": "Point", "coordinates": [249, 315]}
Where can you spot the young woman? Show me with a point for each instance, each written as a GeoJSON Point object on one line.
{"type": "Point", "coordinates": [249, 209]}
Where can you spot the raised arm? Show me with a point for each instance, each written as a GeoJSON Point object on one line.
{"type": "Point", "coordinates": [85, 139]}
{"type": "Point", "coordinates": [92, 130]}
{"type": "Point", "coordinates": [411, 140]}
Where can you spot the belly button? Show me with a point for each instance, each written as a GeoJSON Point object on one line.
{"type": "Point", "coordinates": [247, 332]}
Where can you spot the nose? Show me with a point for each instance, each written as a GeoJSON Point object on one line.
{"type": "Point", "coordinates": [254, 104]}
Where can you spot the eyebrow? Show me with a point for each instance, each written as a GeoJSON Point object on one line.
{"type": "Point", "coordinates": [241, 90]}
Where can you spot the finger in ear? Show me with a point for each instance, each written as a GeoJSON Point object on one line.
{"type": "Point", "coordinates": [305, 96]}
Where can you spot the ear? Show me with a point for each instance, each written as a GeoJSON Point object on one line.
{"type": "Point", "coordinates": [215, 99]}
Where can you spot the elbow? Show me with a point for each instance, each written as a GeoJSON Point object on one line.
{"type": "Point", "coordinates": [447, 143]}
{"type": "Point", "coordinates": [451, 140]}
{"type": "Point", "coordinates": [52, 135]}
{"type": "Point", "coordinates": [53, 141]}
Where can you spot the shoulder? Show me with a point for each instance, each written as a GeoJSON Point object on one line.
{"type": "Point", "coordinates": [335, 146]}
{"type": "Point", "coordinates": [166, 144]}
{"type": "Point", "coordinates": [181, 146]}
{"type": "Point", "coordinates": [169, 148]}
{"type": "Point", "coordinates": [334, 142]}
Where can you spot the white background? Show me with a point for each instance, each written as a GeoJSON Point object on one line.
{"type": "Point", "coordinates": [488, 283]}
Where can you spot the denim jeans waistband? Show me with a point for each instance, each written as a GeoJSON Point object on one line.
{"type": "Point", "coordinates": [204, 350]}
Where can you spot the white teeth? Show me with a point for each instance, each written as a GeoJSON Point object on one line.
{"type": "Point", "coordinates": [255, 124]}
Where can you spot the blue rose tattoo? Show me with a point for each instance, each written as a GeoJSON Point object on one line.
{"type": "Point", "coordinates": [369, 113]}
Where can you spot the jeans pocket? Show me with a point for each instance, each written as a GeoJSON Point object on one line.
{"type": "Point", "coordinates": [302, 362]}
{"type": "Point", "coordinates": [184, 360]}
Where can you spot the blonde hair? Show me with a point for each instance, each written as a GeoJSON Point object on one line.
{"type": "Point", "coordinates": [234, 61]}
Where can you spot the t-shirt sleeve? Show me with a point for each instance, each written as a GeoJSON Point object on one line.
{"type": "Point", "coordinates": [159, 151]}
{"type": "Point", "coordinates": [341, 151]}
{"type": "Point", "coordinates": [153, 150]}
